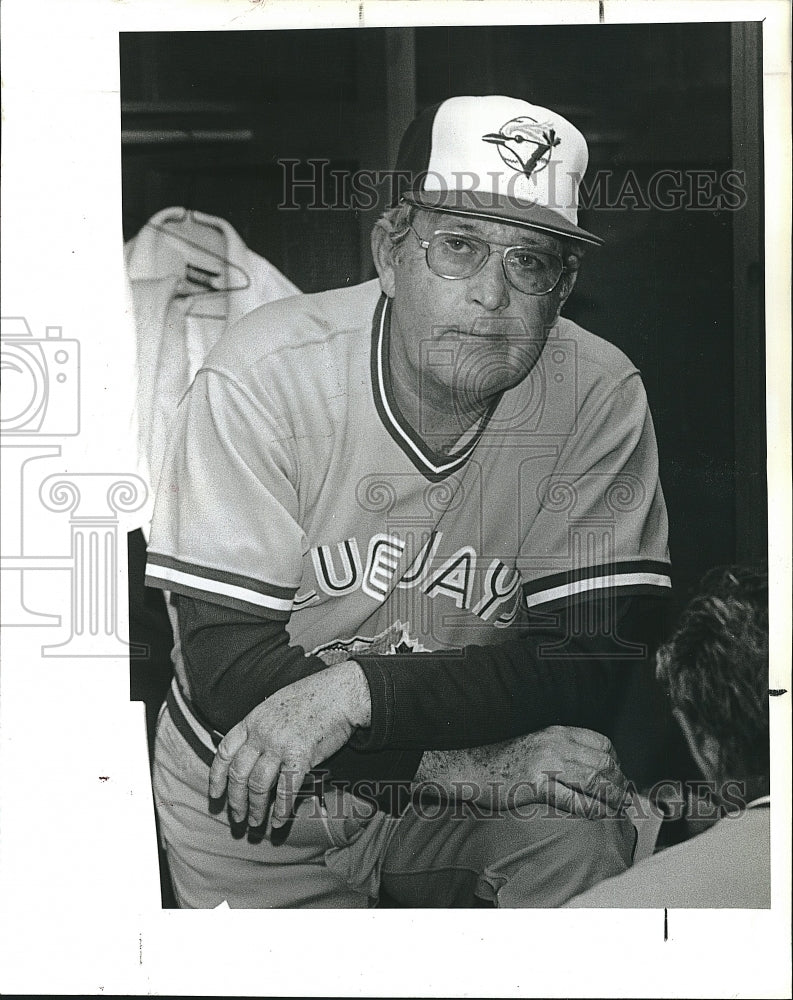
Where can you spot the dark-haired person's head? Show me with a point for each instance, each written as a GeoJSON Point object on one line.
{"type": "Point", "coordinates": [715, 671]}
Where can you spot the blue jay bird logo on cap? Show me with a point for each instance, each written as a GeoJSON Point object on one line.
{"type": "Point", "coordinates": [524, 144]}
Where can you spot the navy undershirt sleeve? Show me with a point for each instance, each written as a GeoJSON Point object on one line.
{"type": "Point", "coordinates": [234, 660]}
{"type": "Point", "coordinates": [550, 675]}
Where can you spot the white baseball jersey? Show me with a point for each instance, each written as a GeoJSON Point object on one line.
{"type": "Point", "coordinates": [294, 489]}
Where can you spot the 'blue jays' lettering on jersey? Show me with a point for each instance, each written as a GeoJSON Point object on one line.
{"type": "Point", "coordinates": [294, 489]}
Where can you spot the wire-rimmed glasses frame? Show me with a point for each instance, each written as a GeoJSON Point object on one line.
{"type": "Point", "coordinates": [504, 250]}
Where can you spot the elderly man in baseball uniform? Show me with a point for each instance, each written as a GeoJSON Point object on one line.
{"type": "Point", "coordinates": [412, 529]}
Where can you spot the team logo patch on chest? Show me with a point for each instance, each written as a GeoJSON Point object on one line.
{"type": "Point", "coordinates": [395, 639]}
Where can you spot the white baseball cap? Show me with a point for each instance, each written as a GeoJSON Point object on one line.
{"type": "Point", "coordinates": [497, 158]}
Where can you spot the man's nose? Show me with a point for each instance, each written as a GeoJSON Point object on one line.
{"type": "Point", "coordinates": [489, 286]}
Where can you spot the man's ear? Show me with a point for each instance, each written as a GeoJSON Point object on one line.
{"type": "Point", "coordinates": [383, 256]}
{"type": "Point", "coordinates": [704, 748]}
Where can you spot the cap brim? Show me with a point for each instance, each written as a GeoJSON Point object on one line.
{"type": "Point", "coordinates": [500, 208]}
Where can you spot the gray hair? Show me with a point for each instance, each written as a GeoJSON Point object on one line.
{"type": "Point", "coordinates": [397, 220]}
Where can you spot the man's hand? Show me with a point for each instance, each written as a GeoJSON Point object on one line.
{"type": "Point", "coordinates": [575, 770]}
{"type": "Point", "coordinates": [283, 738]}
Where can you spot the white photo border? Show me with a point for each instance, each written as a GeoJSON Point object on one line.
{"type": "Point", "coordinates": [80, 901]}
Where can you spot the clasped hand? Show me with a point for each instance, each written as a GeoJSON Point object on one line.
{"type": "Point", "coordinates": [280, 740]}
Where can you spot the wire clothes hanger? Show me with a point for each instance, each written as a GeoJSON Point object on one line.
{"type": "Point", "coordinates": [209, 239]}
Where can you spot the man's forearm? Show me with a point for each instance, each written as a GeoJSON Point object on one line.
{"type": "Point", "coordinates": [549, 766]}
{"type": "Point", "coordinates": [479, 774]}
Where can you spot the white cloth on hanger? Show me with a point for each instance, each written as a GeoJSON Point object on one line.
{"type": "Point", "coordinates": [191, 277]}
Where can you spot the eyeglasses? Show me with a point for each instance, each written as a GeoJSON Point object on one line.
{"type": "Point", "coordinates": [460, 255]}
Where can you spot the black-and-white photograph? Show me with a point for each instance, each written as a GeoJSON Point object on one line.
{"type": "Point", "coordinates": [459, 536]}
{"type": "Point", "coordinates": [396, 459]}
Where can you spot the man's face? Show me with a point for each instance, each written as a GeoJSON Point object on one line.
{"type": "Point", "coordinates": [470, 337]}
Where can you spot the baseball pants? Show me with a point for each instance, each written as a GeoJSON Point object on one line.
{"type": "Point", "coordinates": [341, 851]}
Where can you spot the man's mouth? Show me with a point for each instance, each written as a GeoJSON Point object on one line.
{"type": "Point", "coordinates": [494, 336]}
{"type": "Point", "coordinates": [497, 329]}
